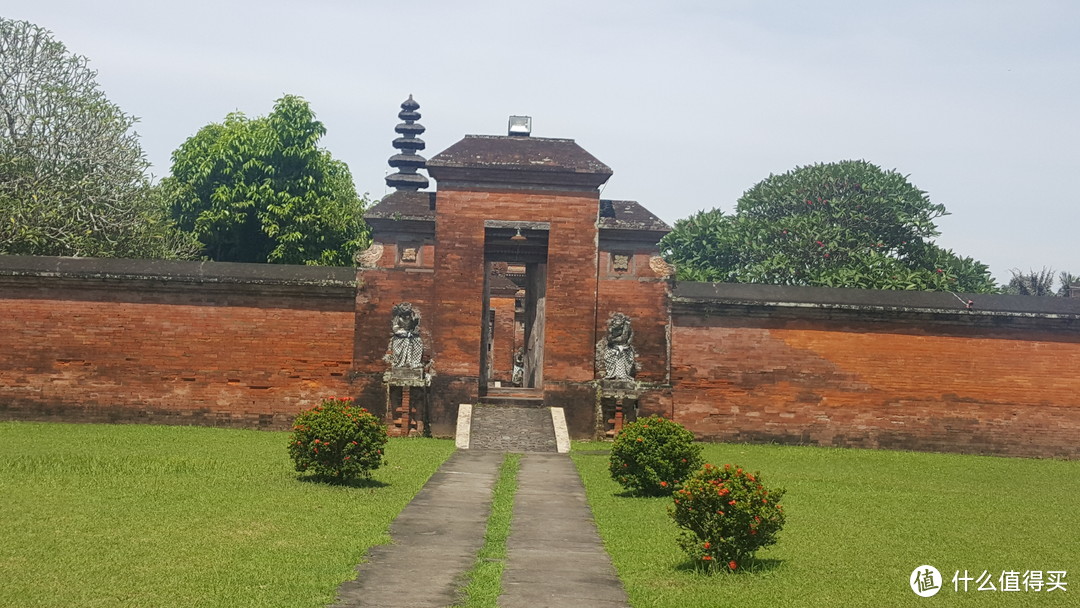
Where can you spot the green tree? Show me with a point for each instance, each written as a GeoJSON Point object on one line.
{"type": "Point", "coordinates": [1040, 282]}
{"type": "Point", "coordinates": [844, 224]}
{"type": "Point", "coordinates": [73, 177]}
{"type": "Point", "coordinates": [1031, 283]}
{"type": "Point", "coordinates": [261, 190]}
{"type": "Point", "coordinates": [1067, 280]}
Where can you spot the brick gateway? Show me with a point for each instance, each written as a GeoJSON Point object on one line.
{"type": "Point", "coordinates": [515, 265]}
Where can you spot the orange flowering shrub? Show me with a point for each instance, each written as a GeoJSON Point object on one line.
{"type": "Point", "coordinates": [726, 515]}
{"type": "Point", "coordinates": [337, 441]}
{"type": "Point", "coordinates": [651, 456]}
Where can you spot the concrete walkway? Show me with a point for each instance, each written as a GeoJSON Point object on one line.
{"type": "Point", "coordinates": [435, 539]}
{"type": "Point", "coordinates": [554, 554]}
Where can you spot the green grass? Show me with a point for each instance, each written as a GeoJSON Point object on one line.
{"type": "Point", "coordinates": [485, 578]}
{"type": "Point", "coordinates": [100, 515]}
{"type": "Point", "coordinates": [858, 523]}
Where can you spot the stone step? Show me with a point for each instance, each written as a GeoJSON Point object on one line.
{"type": "Point", "coordinates": [514, 396]}
{"type": "Point", "coordinates": [533, 402]}
{"type": "Point", "coordinates": [507, 428]}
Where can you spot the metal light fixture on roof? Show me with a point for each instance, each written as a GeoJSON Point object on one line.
{"type": "Point", "coordinates": [520, 126]}
{"type": "Point", "coordinates": [518, 237]}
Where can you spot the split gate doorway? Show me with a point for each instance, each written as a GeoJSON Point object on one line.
{"type": "Point", "coordinates": [515, 293]}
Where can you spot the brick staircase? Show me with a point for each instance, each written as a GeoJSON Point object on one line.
{"type": "Point", "coordinates": [512, 428]}
{"type": "Point", "coordinates": [514, 396]}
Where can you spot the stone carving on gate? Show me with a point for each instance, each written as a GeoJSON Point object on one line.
{"type": "Point", "coordinates": [617, 389]}
{"type": "Point", "coordinates": [517, 378]}
{"type": "Point", "coordinates": [406, 345]}
{"type": "Point", "coordinates": [615, 356]}
{"type": "Point", "coordinates": [408, 380]}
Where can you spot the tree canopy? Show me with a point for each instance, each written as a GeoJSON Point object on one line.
{"type": "Point", "coordinates": [1040, 282]}
{"type": "Point", "coordinates": [73, 177]}
{"type": "Point", "coordinates": [261, 190]}
{"type": "Point", "coordinates": [843, 224]}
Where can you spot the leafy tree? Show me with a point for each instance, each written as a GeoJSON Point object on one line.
{"type": "Point", "coordinates": [261, 190]}
{"type": "Point", "coordinates": [845, 224]}
{"type": "Point", "coordinates": [1067, 280]}
{"type": "Point", "coordinates": [1039, 282]}
{"type": "Point", "coordinates": [1031, 283]}
{"type": "Point", "coordinates": [73, 177]}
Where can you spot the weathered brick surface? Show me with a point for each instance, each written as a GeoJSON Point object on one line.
{"type": "Point", "coordinates": [512, 429]}
{"type": "Point", "coordinates": [645, 301]}
{"type": "Point", "coordinates": [890, 384]}
{"type": "Point", "coordinates": [503, 346]}
{"type": "Point", "coordinates": [569, 335]}
{"type": "Point", "coordinates": [140, 350]}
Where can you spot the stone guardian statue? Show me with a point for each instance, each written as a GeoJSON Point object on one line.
{"type": "Point", "coordinates": [406, 346]}
{"type": "Point", "coordinates": [614, 353]}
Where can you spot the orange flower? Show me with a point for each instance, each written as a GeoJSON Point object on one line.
{"type": "Point", "coordinates": [663, 484]}
{"type": "Point", "coordinates": [732, 564]}
{"type": "Point", "coordinates": [707, 558]}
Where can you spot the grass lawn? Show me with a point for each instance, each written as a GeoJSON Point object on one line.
{"type": "Point", "coordinates": [858, 523]}
{"type": "Point", "coordinates": [485, 579]}
{"type": "Point", "coordinates": [131, 515]}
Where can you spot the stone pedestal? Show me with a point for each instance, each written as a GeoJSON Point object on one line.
{"type": "Point", "coordinates": [406, 401]}
{"type": "Point", "coordinates": [617, 404]}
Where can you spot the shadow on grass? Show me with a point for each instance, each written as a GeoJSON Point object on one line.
{"type": "Point", "coordinates": [336, 483]}
{"type": "Point", "coordinates": [752, 566]}
{"type": "Point", "coordinates": [638, 494]}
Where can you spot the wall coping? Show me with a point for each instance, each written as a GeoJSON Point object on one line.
{"type": "Point", "coordinates": [177, 271]}
{"type": "Point", "coordinates": [876, 300]}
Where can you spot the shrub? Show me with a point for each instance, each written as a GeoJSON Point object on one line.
{"type": "Point", "coordinates": [652, 455]}
{"type": "Point", "coordinates": [336, 441]}
{"type": "Point", "coordinates": [726, 515]}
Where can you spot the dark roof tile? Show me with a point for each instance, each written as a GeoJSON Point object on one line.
{"type": "Point", "coordinates": [629, 215]}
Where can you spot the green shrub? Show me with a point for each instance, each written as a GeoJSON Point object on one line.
{"type": "Point", "coordinates": [652, 455]}
{"type": "Point", "coordinates": [726, 515]}
{"type": "Point", "coordinates": [336, 441]}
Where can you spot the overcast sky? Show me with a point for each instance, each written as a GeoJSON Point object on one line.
{"type": "Point", "coordinates": [690, 103]}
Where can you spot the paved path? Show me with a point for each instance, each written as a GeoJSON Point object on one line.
{"type": "Point", "coordinates": [435, 539]}
{"type": "Point", "coordinates": [554, 555]}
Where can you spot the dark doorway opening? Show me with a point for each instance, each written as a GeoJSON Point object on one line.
{"type": "Point", "coordinates": [515, 290]}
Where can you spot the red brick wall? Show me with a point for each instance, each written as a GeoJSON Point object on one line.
{"type": "Point", "coordinates": [188, 353]}
{"type": "Point", "coordinates": [860, 380]}
{"type": "Point", "coordinates": [253, 352]}
{"type": "Point", "coordinates": [380, 288]}
{"type": "Point", "coordinates": [642, 295]}
{"type": "Point", "coordinates": [502, 350]}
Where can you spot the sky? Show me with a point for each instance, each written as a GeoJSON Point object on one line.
{"type": "Point", "coordinates": [689, 102]}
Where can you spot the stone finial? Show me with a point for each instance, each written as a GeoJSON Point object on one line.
{"type": "Point", "coordinates": [407, 161]}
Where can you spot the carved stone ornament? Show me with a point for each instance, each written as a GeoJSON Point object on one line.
{"type": "Point", "coordinates": [408, 254]}
{"type": "Point", "coordinates": [620, 262]}
{"type": "Point", "coordinates": [661, 267]}
{"type": "Point", "coordinates": [406, 346]}
{"type": "Point", "coordinates": [369, 258]}
{"type": "Point", "coordinates": [615, 356]}
{"type": "Point", "coordinates": [517, 378]}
